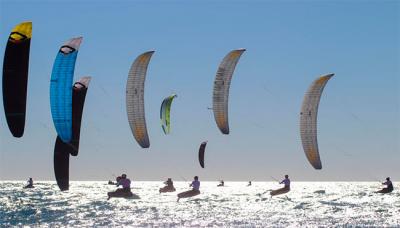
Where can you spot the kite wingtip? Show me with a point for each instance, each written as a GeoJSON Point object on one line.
{"type": "Point", "coordinates": [225, 132]}
{"type": "Point", "coordinates": [75, 42]}
{"type": "Point", "coordinates": [145, 146]}
{"type": "Point", "coordinates": [318, 167]}
{"type": "Point", "coordinates": [26, 23]}
{"type": "Point", "coordinates": [77, 39]}
{"type": "Point", "coordinates": [17, 134]}
{"type": "Point", "coordinates": [85, 80]}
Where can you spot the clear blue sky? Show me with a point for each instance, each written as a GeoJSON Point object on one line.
{"type": "Point", "coordinates": [289, 44]}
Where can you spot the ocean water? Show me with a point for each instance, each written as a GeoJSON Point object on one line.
{"type": "Point", "coordinates": [311, 204]}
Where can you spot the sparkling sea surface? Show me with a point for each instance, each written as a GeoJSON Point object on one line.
{"type": "Point", "coordinates": [308, 204]}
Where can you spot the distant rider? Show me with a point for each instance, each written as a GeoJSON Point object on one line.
{"type": "Point", "coordinates": [30, 183]}
{"type": "Point", "coordinates": [195, 189]}
{"type": "Point", "coordinates": [169, 186]}
{"type": "Point", "coordinates": [195, 184]}
{"type": "Point", "coordinates": [125, 183]}
{"type": "Point", "coordinates": [389, 187]}
{"type": "Point", "coordinates": [169, 183]}
{"type": "Point", "coordinates": [125, 191]}
{"type": "Point", "coordinates": [286, 182]}
{"type": "Point", "coordinates": [283, 190]}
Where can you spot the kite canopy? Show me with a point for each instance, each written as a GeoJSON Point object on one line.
{"type": "Point", "coordinates": [15, 77]}
{"type": "Point", "coordinates": [78, 100]}
{"type": "Point", "coordinates": [221, 89]}
{"type": "Point", "coordinates": [201, 153]}
{"type": "Point", "coordinates": [61, 88]}
{"type": "Point", "coordinates": [135, 98]}
{"type": "Point", "coordinates": [61, 163]}
{"type": "Point", "coordinates": [62, 150]}
{"type": "Point", "coordinates": [165, 113]}
{"type": "Point", "coordinates": [308, 120]}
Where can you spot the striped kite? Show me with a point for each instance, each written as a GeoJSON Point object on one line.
{"type": "Point", "coordinates": [308, 120]}
{"type": "Point", "coordinates": [135, 98]}
{"type": "Point", "coordinates": [221, 89]}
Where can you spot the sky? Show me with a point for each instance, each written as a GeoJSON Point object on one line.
{"type": "Point", "coordinates": [288, 44]}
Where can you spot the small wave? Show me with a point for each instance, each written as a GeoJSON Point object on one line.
{"type": "Point", "coordinates": [302, 205]}
{"type": "Point", "coordinates": [240, 194]}
{"type": "Point", "coordinates": [340, 204]}
{"type": "Point", "coordinates": [381, 210]}
{"type": "Point", "coordinates": [221, 200]}
{"type": "Point", "coordinates": [363, 194]}
{"type": "Point", "coordinates": [337, 209]}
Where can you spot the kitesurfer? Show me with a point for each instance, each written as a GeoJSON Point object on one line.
{"type": "Point", "coordinates": [283, 190]}
{"type": "Point", "coordinates": [389, 187]}
{"type": "Point", "coordinates": [221, 183]}
{"type": "Point", "coordinates": [195, 189]}
{"type": "Point", "coordinates": [30, 183]}
{"type": "Point", "coordinates": [169, 182]}
{"type": "Point", "coordinates": [195, 183]}
{"type": "Point", "coordinates": [286, 182]}
{"type": "Point", "coordinates": [125, 183]}
{"type": "Point", "coordinates": [169, 186]}
{"type": "Point", "coordinates": [125, 190]}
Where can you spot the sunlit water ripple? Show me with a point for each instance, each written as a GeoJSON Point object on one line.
{"type": "Point", "coordinates": [308, 204]}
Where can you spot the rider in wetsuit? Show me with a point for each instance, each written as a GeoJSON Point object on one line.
{"type": "Point", "coordinates": [389, 187]}
{"type": "Point", "coordinates": [125, 191]}
{"type": "Point", "coordinates": [195, 189]}
{"type": "Point", "coordinates": [169, 186]}
{"type": "Point", "coordinates": [169, 183]}
{"type": "Point", "coordinates": [283, 190]}
{"type": "Point", "coordinates": [125, 182]}
{"type": "Point", "coordinates": [195, 184]}
{"type": "Point", "coordinates": [30, 183]}
{"type": "Point", "coordinates": [286, 182]}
